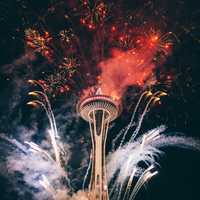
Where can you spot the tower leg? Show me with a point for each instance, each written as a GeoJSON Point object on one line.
{"type": "Point", "coordinates": [98, 128]}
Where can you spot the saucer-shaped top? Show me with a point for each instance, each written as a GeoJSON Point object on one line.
{"type": "Point", "coordinates": [98, 103]}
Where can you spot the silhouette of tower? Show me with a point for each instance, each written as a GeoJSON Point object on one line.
{"type": "Point", "coordinates": [99, 111]}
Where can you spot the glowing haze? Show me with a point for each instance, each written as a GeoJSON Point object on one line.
{"type": "Point", "coordinates": [127, 68]}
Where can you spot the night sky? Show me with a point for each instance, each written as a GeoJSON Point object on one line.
{"type": "Point", "coordinates": [176, 73]}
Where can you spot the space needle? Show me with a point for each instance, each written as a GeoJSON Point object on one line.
{"type": "Point", "coordinates": [99, 110]}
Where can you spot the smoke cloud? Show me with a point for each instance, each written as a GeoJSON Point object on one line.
{"type": "Point", "coordinates": [124, 69]}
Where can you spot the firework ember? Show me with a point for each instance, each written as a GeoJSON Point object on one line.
{"type": "Point", "coordinates": [39, 43]}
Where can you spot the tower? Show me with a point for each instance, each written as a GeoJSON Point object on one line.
{"type": "Point", "coordinates": [99, 111]}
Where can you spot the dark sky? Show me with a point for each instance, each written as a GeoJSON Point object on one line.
{"type": "Point", "coordinates": [179, 169]}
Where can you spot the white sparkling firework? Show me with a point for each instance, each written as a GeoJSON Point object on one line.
{"type": "Point", "coordinates": [43, 168]}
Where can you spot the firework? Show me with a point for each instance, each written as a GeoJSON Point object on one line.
{"type": "Point", "coordinates": [67, 36]}
{"type": "Point", "coordinates": [122, 163]}
{"type": "Point", "coordinates": [39, 43]}
{"type": "Point", "coordinates": [94, 16]}
{"type": "Point", "coordinates": [60, 81]}
{"type": "Point", "coordinates": [140, 149]}
{"type": "Point", "coordinates": [53, 132]}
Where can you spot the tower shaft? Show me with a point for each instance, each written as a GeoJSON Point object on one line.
{"type": "Point", "coordinates": [98, 127]}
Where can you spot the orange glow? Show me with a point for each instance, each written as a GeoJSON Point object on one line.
{"type": "Point", "coordinates": [121, 38]}
{"type": "Point", "coordinates": [113, 29]}
{"type": "Point", "coordinates": [124, 69]}
{"type": "Point", "coordinates": [154, 38]}
{"type": "Point", "coordinates": [134, 67]}
{"type": "Point", "coordinates": [167, 46]}
{"type": "Point", "coordinates": [31, 103]}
